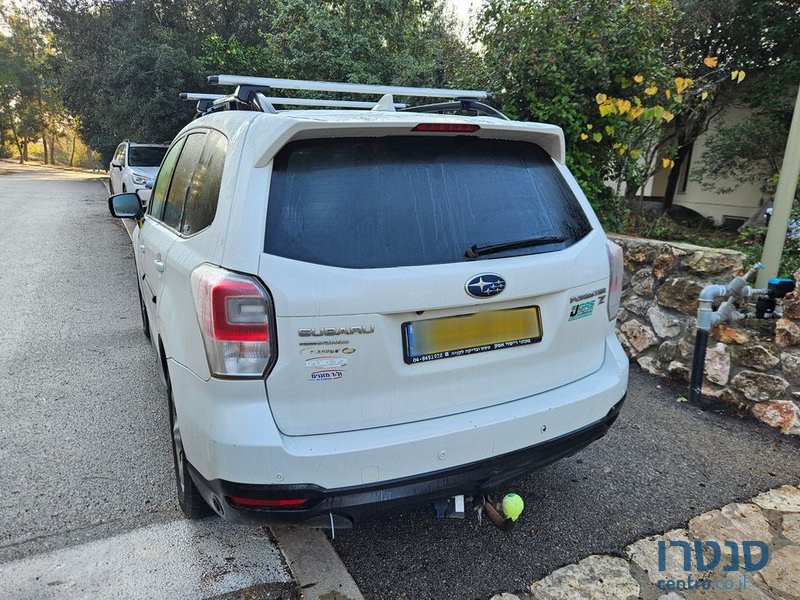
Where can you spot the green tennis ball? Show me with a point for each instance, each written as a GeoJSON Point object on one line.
{"type": "Point", "coordinates": [512, 506]}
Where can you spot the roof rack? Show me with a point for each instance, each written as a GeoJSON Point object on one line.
{"type": "Point", "coordinates": [346, 88]}
{"type": "Point", "coordinates": [210, 98]}
{"type": "Point", "coordinates": [250, 94]}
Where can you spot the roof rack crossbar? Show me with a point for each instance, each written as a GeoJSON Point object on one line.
{"type": "Point", "coordinates": [462, 104]}
{"type": "Point", "coordinates": [346, 88]}
{"type": "Point", "coordinates": [297, 101]}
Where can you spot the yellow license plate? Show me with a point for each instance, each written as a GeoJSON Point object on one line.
{"type": "Point", "coordinates": [434, 339]}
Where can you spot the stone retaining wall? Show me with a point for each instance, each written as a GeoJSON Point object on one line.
{"type": "Point", "coordinates": [753, 364]}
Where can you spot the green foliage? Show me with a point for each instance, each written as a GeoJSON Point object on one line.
{"type": "Point", "coordinates": [745, 152]}
{"type": "Point", "coordinates": [763, 36]}
{"type": "Point", "coordinates": [548, 59]}
{"type": "Point", "coordinates": [122, 63]}
{"type": "Point", "coordinates": [23, 102]}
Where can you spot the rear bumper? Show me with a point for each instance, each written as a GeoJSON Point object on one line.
{"type": "Point", "coordinates": [345, 506]}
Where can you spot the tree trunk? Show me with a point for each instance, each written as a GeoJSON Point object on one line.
{"type": "Point", "coordinates": [52, 149]}
{"type": "Point", "coordinates": [72, 152]}
{"type": "Point", "coordinates": [674, 175]}
{"type": "Point", "coordinates": [44, 145]}
{"type": "Point", "coordinates": [25, 149]}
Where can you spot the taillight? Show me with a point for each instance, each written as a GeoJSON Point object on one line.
{"type": "Point", "coordinates": [615, 269]}
{"type": "Point", "coordinates": [447, 127]}
{"type": "Point", "coordinates": [235, 317]}
{"type": "Point", "coordinates": [271, 503]}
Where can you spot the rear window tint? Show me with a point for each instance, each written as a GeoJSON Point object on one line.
{"type": "Point", "coordinates": [402, 201]}
{"type": "Point", "coordinates": [182, 179]}
{"type": "Point", "coordinates": [201, 203]}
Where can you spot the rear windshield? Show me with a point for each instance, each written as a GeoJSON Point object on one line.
{"type": "Point", "coordinates": [402, 201]}
{"type": "Point", "coordinates": [146, 156]}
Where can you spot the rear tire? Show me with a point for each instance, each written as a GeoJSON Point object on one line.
{"type": "Point", "coordinates": [189, 498]}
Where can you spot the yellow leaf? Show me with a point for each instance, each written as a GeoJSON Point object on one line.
{"type": "Point", "coordinates": [704, 95]}
{"type": "Point", "coordinates": [740, 78]}
{"type": "Point", "coordinates": [651, 91]}
{"type": "Point", "coordinates": [597, 137]}
{"type": "Point", "coordinates": [734, 75]}
{"type": "Point", "coordinates": [606, 109]}
{"type": "Point", "coordinates": [668, 94]}
{"type": "Point", "coordinates": [710, 61]}
{"type": "Point", "coordinates": [681, 83]}
{"type": "Point", "coordinates": [638, 78]}
{"type": "Point", "coordinates": [622, 150]}
{"type": "Point", "coordinates": [623, 106]}
{"type": "Point", "coordinates": [636, 113]}
{"type": "Point", "coordinates": [667, 163]}
{"type": "Point", "coordinates": [589, 126]}
{"type": "Point", "coordinates": [610, 130]}
{"type": "Point", "coordinates": [667, 116]}
{"type": "Point", "coordinates": [600, 98]}
{"type": "Point", "coordinates": [584, 136]}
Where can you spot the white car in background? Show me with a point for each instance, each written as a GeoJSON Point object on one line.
{"type": "Point", "coordinates": [134, 168]}
{"type": "Point", "coordinates": [356, 311]}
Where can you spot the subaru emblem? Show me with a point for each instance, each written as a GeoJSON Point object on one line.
{"type": "Point", "coordinates": [485, 285]}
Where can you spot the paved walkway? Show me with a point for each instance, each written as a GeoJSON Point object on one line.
{"type": "Point", "coordinates": [771, 519]}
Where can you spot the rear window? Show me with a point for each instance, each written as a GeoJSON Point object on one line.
{"type": "Point", "coordinates": [403, 201]}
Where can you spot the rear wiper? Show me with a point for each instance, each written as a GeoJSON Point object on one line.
{"type": "Point", "coordinates": [476, 251]}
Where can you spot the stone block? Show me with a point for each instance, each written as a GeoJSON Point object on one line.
{"type": "Point", "coordinates": [640, 336]}
{"type": "Point", "coordinates": [664, 325]}
{"type": "Point", "coordinates": [759, 387]}
{"type": "Point", "coordinates": [718, 364]}
{"type": "Point", "coordinates": [787, 333]}
{"type": "Point", "coordinates": [680, 293]}
{"type": "Point", "coordinates": [754, 356]}
{"type": "Point", "coordinates": [780, 414]}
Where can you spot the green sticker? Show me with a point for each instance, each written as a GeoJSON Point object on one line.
{"type": "Point", "coordinates": [583, 309]}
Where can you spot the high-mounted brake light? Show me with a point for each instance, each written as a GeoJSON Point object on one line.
{"type": "Point", "coordinates": [447, 127]}
{"type": "Point", "coordinates": [235, 314]}
{"type": "Point", "coordinates": [272, 503]}
{"type": "Point", "coordinates": [615, 270]}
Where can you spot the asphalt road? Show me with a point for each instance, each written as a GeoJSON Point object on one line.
{"type": "Point", "coordinates": [84, 446]}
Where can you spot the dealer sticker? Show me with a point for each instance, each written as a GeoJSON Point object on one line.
{"type": "Point", "coordinates": [328, 375]}
{"type": "Point", "coordinates": [581, 310]}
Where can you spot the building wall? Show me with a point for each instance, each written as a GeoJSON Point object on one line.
{"type": "Point", "coordinates": [742, 202]}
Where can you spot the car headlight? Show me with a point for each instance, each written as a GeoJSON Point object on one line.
{"type": "Point", "coordinates": [140, 179]}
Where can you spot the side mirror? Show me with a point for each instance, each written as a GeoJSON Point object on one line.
{"type": "Point", "coordinates": [149, 184]}
{"type": "Point", "coordinates": [115, 164]}
{"type": "Point", "coordinates": [125, 206]}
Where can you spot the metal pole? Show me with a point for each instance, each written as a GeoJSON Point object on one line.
{"type": "Point", "coordinates": [782, 207]}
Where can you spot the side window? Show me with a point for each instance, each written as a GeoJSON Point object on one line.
{"type": "Point", "coordinates": [161, 186]}
{"type": "Point", "coordinates": [123, 155]}
{"type": "Point", "coordinates": [201, 203]}
{"type": "Point", "coordinates": [118, 153]}
{"type": "Point", "coordinates": [182, 179]}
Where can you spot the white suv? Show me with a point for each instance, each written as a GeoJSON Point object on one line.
{"type": "Point", "coordinates": [359, 310]}
{"type": "Point", "coordinates": [134, 167]}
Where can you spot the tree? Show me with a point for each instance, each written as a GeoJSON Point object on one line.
{"type": "Point", "coordinates": [547, 60]}
{"type": "Point", "coordinates": [641, 123]}
{"type": "Point", "coordinates": [22, 66]}
{"type": "Point", "coordinates": [759, 37]}
{"type": "Point", "coordinates": [751, 151]}
{"type": "Point", "coordinates": [403, 42]}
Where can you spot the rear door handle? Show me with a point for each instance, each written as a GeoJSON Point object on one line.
{"type": "Point", "coordinates": [159, 265]}
{"type": "Point", "coordinates": [141, 248]}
